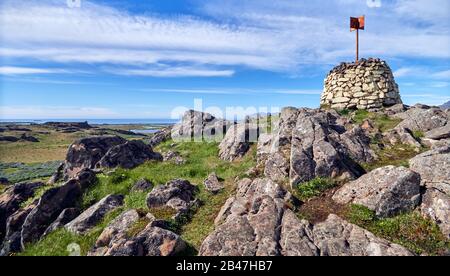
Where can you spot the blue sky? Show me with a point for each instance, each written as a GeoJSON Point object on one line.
{"type": "Point", "coordinates": [147, 58]}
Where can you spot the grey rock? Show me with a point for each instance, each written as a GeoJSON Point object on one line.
{"type": "Point", "coordinates": [142, 185]}
{"type": "Point", "coordinates": [66, 216]}
{"type": "Point", "coordinates": [52, 203]}
{"type": "Point", "coordinates": [212, 184]}
{"type": "Point", "coordinates": [237, 141]}
{"type": "Point", "coordinates": [12, 241]}
{"type": "Point", "coordinates": [388, 191]}
{"type": "Point", "coordinates": [422, 119]}
{"type": "Point", "coordinates": [401, 135]}
{"type": "Point", "coordinates": [160, 137]}
{"type": "Point", "coordinates": [178, 194]}
{"type": "Point", "coordinates": [436, 206]}
{"type": "Point", "coordinates": [128, 155]}
{"type": "Point", "coordinates": [297, 236]}
{"type": "Point", "coordinates": [439, 133]}
{"type": "Point", "coordinates": [12, 198]}
{"type": "Point", "coordinates": [93, 215]}
{"type": "Point", "coordinates": [336, 237]}
{"type": "Point", "coordinates": [433, 168]}
{"type": "Point", "coordinates": [174, 157]}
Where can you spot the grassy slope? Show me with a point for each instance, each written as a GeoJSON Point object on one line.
{"type": "Point", "coordinates": [201, 160]}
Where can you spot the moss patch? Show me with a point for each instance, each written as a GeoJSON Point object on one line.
{"type": "Point", "coordinates": [314, 188]}
{"type": "Point", "coordinates": [397, 155]}
{"type": "Point", "coordinates": [411, 230]}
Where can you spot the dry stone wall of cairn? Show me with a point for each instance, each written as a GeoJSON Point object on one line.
{"type": "Point", "coordinates": [368, 84]}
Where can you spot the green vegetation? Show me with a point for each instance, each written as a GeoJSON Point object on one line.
{"type": "Point", "coordinates": [344, 112]}
{"type": "Point", "coordinates": [397, 155]}
{"type": "Point", "coordinates": [19, 172]}
{"type": "Point", "coordinates": [57, 242]}
{"type": "Point", "coordinates": [380, 121]}
{"type": "Point", "coordinates": [411, 230]}
{"type": "Point", "coordinates": [314, 188]}
{"type": "Point", "coordinates": [418, 134]}
{"type": "Point", "coordinates": [201, 160]}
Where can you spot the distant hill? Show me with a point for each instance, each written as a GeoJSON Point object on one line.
{"type": "Point", "coordinates": [446, 105]}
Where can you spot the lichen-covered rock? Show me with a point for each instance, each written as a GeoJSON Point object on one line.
{"type": "Point", "coordinates": [52, 203]}
{"type": "Point", "coordinates": [368, 84]}
{"type": "Point", "coordinates": [423, 118]}
{"type": "Point", "coordinates": [400, 135]}
{"type": "Point", "coordinates": [87, 152]}
{"type": "Point", "coordinates": [160, 137]}
{"type": "Point", "coordinates": [337, 237]}
{"type": "Point", "coordinates": [200, 126]}
{"type": "Point", "coordinates": [12, 241]}
{"type": "Point", "coordinates": [175, 157]}
{"type": "Point", "coordinates": [249, 222]}
{"type": "Point", "coordinates": [12, 198]}
{"type": "Point", "coordinates": [433, 167]}
{"type": "Point", "coordinates": [237, 141]}
{"type": "Point", "coordinates": [178, 194]}
{"type": "Point", "coordinates": [297, 236]}
{"type": "Point", "coordinates": [93, 215]}
{"type": "Point", "coordinates": [388, 191]}
{"type": "Point", "coordinates": [115, 239]}
{"type": "Point", "coordinates": [212, 183]}
{"type": "Point", "coordinates": [436, 206]}
{"type": "Point", "coordinates": [439, 133]}
{"type": "Point", "coordinates": [128, 155]}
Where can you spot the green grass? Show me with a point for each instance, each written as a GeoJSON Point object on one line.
{"type": "Point", "coordinates": [410, 230]}
{"type": "Point", "coordinates": [397, 155]}
{"type": "Point", "coordinates": [314, 188]}
{"type": "Point", "coordinates": [19, 172]}
{"type": "Point", "coordinates": [380, 121]}
{"type": "Point", "coordinates": [57, 242]}
{"type": "Point", "coordinates": [418, 134]}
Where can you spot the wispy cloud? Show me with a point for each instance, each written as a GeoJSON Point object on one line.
{"type": "Point", "coordinates": [11, 70]}
{"type": "Point", "coordinates": [60, 112]}
{"type": "Point", "coordinates": [174, 72]}
{"type": "Point", "coordinates": [232, 91]}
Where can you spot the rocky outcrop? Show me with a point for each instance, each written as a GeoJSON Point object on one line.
{"type": "Point", "coordinates": [368, 84]}
{"type": "Point", "coordinates": [12, 198]}
{"type": "Point", "coordinates": [212, 184]}
{"type": "Point", "coordinates": [388, 191]}
{"type": "Point", "coordinates": [115, 239]}
{"type": "Point", "coordinates": [433, 168]}
{"type": "Point", "coordinates": [160, 137]}
{"type": "Point", "coordinates": [238, 140]}
{"type": "Point", "coordinates": [436, 206]}
{"type": "Point", "coordinates": [401, 135]}
{"type": "Point", "coordinates": [423, 118]}
{"type": "Point", "coordinates": [52, 203]}
{"type": "Point", "coordinates": [128, 155]}
{"type": "Point", "coordinates": [337, 237]}
{"type": "Point", "coordinates": [257, 222]}
{"type": "Point", "coordinates": [93, 215]}
{"type": "Point", "coordinates": [66, 216]}
{"type": "Point", "coordinates": [12, 241]}
{"type": "Point", "coordinates": [312, 143]}
{"type": "Point", "coordinates": [173, 156]}
{"type": "Point", "coordinates": [106, 152]}
{"type": "Point", "coordinates": [177, 194]}
{"type": "Point", "coordinates": [200, 126]}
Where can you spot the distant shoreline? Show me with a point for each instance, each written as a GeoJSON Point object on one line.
{"type": "Point", "coordinates": [93, 121]}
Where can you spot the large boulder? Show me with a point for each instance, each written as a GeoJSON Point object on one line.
{"type": "Point", "coordinates": [433, 167]}
{"type": "Point", "coordinates": [423, 118]}
{"type": "Point", "coordinates": [128, 155]}
{"type": "Point", "coordinates": [238, 140]}
{"type": "Point", "coordinates": [106, 152]}
{"type": "Point", "coordinates": [52, 203]}
{"type": "Point", "coordinates": [160, 137]}
{"type": "Point", "coordinates": [66, 216]}
{"type": "Point", "coordinates": [297, 236]}
{"type": "Point", "coordinates": [313, 143]}
{"type": "Point", "coordinates": [249, 223]}
{"type": "Point", "coordinates": [12, 198]}
{"type": "Point", "coordinates": [388, 191]}
{"type": "Point", "coordinates": [337, 237]}
{"type": "Point", "coordinates": [87, 152]}
{"type": "Point", "coordinates": [200, 126]}
{"type": "Point", "coordinates": [116, 240]}
{"type": "Point", "coordinates": [93, 215]}
{"type": "Point", "coordinates": [439, 133]}
{"type": "Point", "coordinates": [177, 194]}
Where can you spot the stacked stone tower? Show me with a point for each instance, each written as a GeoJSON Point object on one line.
{"type": "Point", "coordinates": [368, 84]}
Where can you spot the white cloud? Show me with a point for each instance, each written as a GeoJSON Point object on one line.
{"type": "Point", "coordinates": [174, 72]}
{"type": "Point", "coordinates": [235, 90]}
{"type": "Point", "coordinates": [12, 70]}
{"type": "Point", "coordinates": [445, 75]}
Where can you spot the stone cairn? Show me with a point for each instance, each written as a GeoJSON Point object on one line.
{"type": "Point", "coordinates": [368, 84]}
